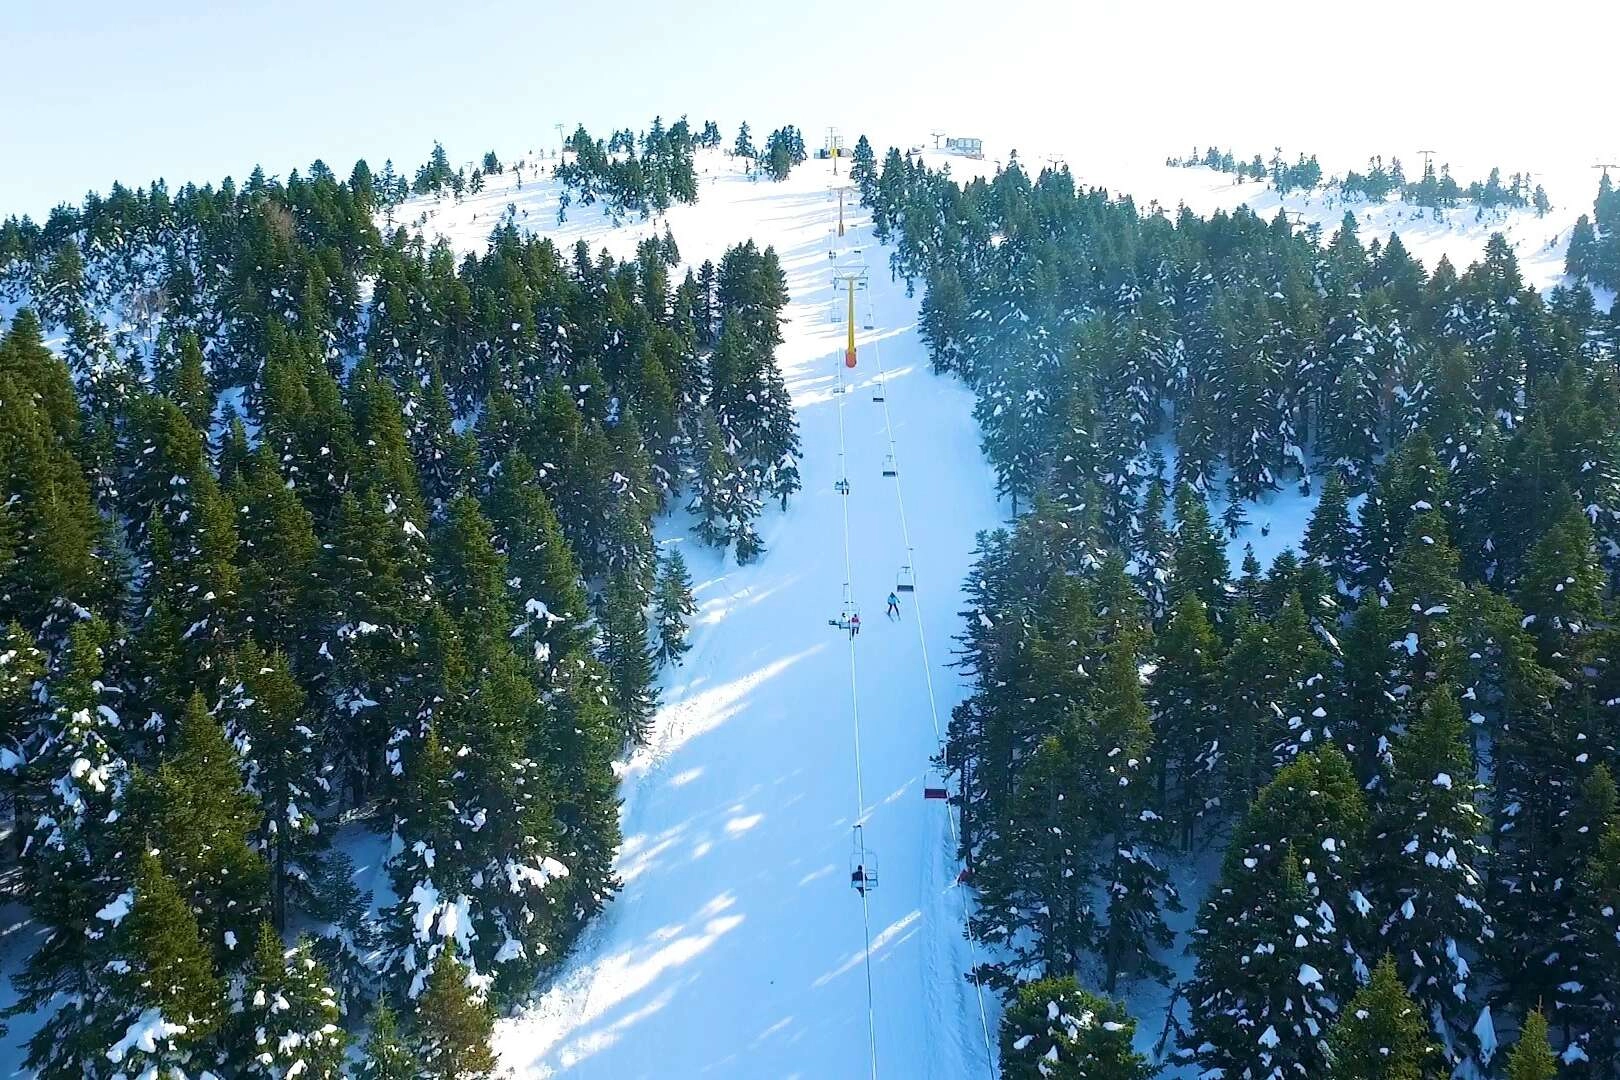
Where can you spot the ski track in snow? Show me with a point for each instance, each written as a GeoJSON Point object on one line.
{"type": "Point", "coordinates": [736, 947]}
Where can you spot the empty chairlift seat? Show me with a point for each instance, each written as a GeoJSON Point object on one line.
{"type": "Point", "coordinates": [877, 393]}
{"type": "Point", "coordinates": [905, 581]}
{"type": "Point", "coordinates": [889, 466]}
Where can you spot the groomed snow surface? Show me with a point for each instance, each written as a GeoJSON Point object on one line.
{"type": "Point", "coordinates": [738, 947]}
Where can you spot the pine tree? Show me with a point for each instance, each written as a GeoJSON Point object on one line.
{"type": "Point", "coordinates": [54, 561]}
{"type": "Point", "coordinates": [288, 1024]}
{"type": "Point", "coordinates": [1054, 1030]}
{"type": "Point", "coordinates": [1276, 958]}
{"type": "Point", "coordinates": [277, 555]}
{"type": "Point", "coordinates": [194, 811]}
{"type": "Point", "coordinates": [75, 872]}
{"type": "Point", "coordinates": [744, 145]}
{"type": "Point", "coordinates": [1152, 545]}
{"type": "Point", "coordinates": [673, 608]}
{"type": "Point", "coordinates": [471, 578]}
{"type": "Point", "coordinates": [541, 568]}
{"type": "Point", "coordinates": [1428, 885]}
{"type": "Point", "coordinates": [163, 1002]}
{"type": "Point", "coordinates": [375, 585]}
{"type": "Point", "coordinates": [1330, 536]}
{"type": "Point", "coordinates": [1381, 1035]}
{"type": "Point", "coordinates": [453, 1027]}
{"type": "Point", "coordinates": [1116, 745]}
{"type": "Point", "coordinates": [1188, 706]}
{"type": "Point", "coordinates": [387, 1056]}
{"type": "Point", "coordinates": [1198, 564]}
{"type": "Point", "coordinates": [267, 709]}
{"type": "Point", "coordinates": [190, 391]}
{"type": "Point", "coordinates": [1532, 1057]}
{"type": "Point", "coordinates": [629, 660]}
{"type": "Point", "coordinates": [1588, 1000]}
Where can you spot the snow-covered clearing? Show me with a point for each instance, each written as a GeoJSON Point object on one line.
{"type": "Point", "coordinates": [738, 947]}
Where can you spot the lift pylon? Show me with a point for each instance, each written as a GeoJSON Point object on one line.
{"type": "Point", "coordinates": [850, 276]}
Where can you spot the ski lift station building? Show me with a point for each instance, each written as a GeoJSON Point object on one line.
{"type": "Point", "coordinates": [968, 147]}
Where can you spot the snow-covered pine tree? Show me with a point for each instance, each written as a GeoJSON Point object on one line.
{"type": "Point", "coordinates": [73, 873]}
{"type": "Point", "coordinates": [673, 607]}
{"type": "Point", "coordinates": [1116, 748]}
{"type": "Point", "coordinates": [195, 813]}
{"type": "Point", "coordinates": [162, 1003]}
{"type": "Point", "coordinates": [1275, 945]}
{"type": "Point", "coordinates": [1198, 563]}
{"type": "Point", "coordinates": [628, 658]}
{"type": "Point", "coordinates": [1330, 537]}
{"type": "Point", "coordinates": [1185, 690]}
{"type": "Point", "coordinates": [1054, 1030]}
{"type": "Point", "coordinates": [287, 1025]}
{"type": "Point", "coordinates": [266, 711]}
{"type": "Point", "coordinates": [453, 1025]}
{"type": "Point", "coordinates": [545, 586]}
{"type": "Point", "coordinates": [386, 1055]}
{"type": "Point", "coordinates": [1427, 885]}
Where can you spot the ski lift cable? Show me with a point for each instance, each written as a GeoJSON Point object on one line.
{"type": "Point", "coordinates": [860, 786]}
{"type": "Point", "coordinates": [928, 680]}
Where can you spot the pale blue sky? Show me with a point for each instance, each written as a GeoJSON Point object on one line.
{"type": "Point", "coordinates": [99, 90]}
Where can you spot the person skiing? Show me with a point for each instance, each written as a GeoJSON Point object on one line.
{"type": "Point", "coordinates": [894, 606]}
{"type": "Point", "coordinates": [854, 626]}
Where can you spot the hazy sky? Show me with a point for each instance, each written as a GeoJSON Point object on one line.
{"type": "Point", "coordinates": [108, 89]}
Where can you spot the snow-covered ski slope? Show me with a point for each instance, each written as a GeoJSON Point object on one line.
{"type": "Point", "coordinates": [738, 947]}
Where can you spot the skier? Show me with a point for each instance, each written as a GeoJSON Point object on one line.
{"type": "Point", "coordinates": [894, 606]}
{"type": "Point", "coordinates": [858, 878]}
{"type": "Point", "coordinates": [854, 626]}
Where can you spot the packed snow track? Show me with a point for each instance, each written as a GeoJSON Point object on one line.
{"type": "Point", "coordinates": [737, 947]}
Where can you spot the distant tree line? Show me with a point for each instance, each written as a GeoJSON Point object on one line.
{"type": "Point", "coordinates": [1434, 189]}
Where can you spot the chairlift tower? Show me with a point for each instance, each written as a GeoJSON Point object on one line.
{"type": "Point", "coordinates": [841, 190]}
{"type": "Point", "coordinates": [835, 147]}
{"type": "Point", "coordinates": [850, 275]}
{"type": "Point", "coordinates": [938, 134]}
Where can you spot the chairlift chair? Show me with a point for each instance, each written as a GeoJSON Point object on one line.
{"type": "Point", "coordinates": [863, 866]}
{"type": "Point", "coordinates": [889, 466]}
{"type": "Point", "coordinates": [906, 580]}
{"type": "Point", "coordinates": [877, 394]}
{"type": "Point", "coordinates": [841, 486]}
